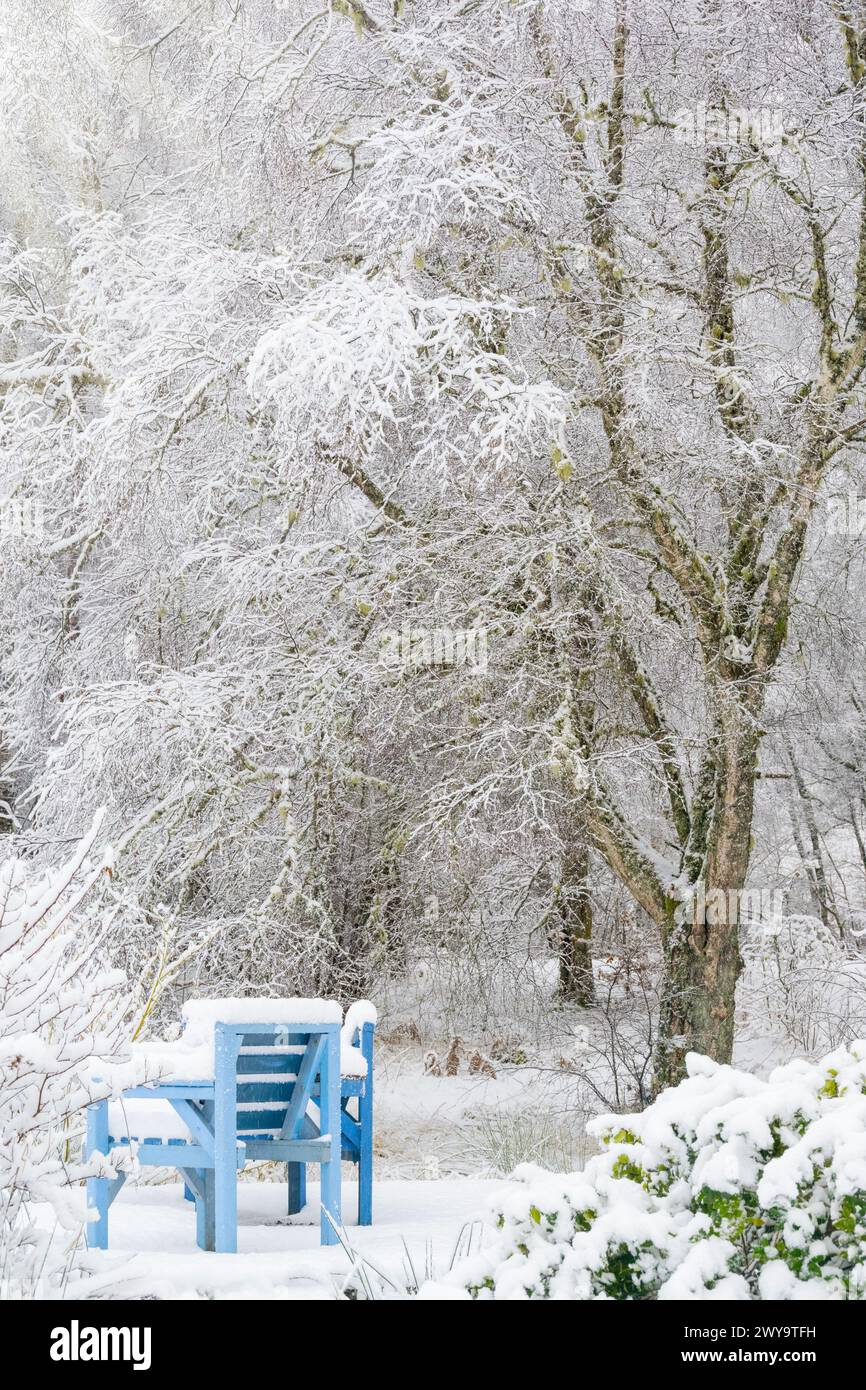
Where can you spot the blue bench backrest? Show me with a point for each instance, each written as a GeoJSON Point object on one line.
{"type": "Point", "coordinates": [266, 1077]}
{"type": "Point", "coordinates": [271, 1071]}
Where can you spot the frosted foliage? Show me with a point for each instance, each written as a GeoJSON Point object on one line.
{"type": "Point", "coordinates": [358, 355]}
{"type": "Point", "coordinates": [801, 980]}
{"type": "Point", "coordinates": [61, 1027]}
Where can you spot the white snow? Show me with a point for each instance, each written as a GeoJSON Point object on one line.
{"type": "Point", "coordinates": [153, 1251]}
{"type": "Point", "coordinates": [357, 1014]}
{"type": "Point", "coordinates": [145, 1119]}
{"type": "Point", "coordinates": [353, 1063]}
{"type": "Point", "coordinates": [352, 1060]}
{"type": "Point", "coordinates": [201, 1014]}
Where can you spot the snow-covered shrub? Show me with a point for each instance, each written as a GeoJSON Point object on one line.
{"type": "Point", "coordinates": [728, 1186]}
{"type": "Point", "coordinates": [61, 1021]}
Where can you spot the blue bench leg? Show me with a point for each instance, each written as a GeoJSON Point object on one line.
{"type": "Point", "coordinates": [205, 1212]}
{"type": "Point", "coordinates": [297, 1175]}
{"type": "Point", "coordinates": [365, 1188]}
{"type": "Point", "coordinates": [98, 1198]}
{"type": "Point", "coordinates": [365, 1144]}
{"type": "Point", "coordinates": [225, 1148]}
{"type": "Point", "coordinates": [329, 1113]}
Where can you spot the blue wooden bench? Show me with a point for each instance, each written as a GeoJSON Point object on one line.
{"type": "Point", "coordinates": [265, 1076]}
{"type": "Point", "coordinates": [356, 1130]}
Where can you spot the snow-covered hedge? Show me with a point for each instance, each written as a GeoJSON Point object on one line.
{"type": "Point", "coordinates": [61, 1024]}
{"type": "Point", "coordinates": [727, 1187]}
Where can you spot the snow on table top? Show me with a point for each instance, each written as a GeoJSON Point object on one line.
{"type": "Point", "coordinates": [145, 1119]}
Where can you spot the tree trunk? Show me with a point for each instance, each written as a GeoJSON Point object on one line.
{"type": "Point", "coordinates": [702, 967]}
{"type": "Point", "coordinates": [819, 884]}
{"type": "Point", "coordinates": [574, 929]}
{"type": "Point", "coordinates": [701, 939]}
{"type": "Point", "coordinates": [7, 797]}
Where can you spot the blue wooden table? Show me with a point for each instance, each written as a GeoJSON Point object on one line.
{"type": "Point", "coordinates": [256, 1107]}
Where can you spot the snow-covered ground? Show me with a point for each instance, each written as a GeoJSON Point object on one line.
{"type": "Point", "coordinates": [418, 1228]}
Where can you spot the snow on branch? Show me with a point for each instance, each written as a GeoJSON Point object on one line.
{"type": "Point", "coordinates": [360, 353]}
{"type": "Point", "coordinates": [62, 1037]}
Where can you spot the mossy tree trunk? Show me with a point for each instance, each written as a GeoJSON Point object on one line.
{"type": "Point", "coordinates": [701, 939]}
{"type": "Point", "coordinates": [573, 931]}
{"type": "Point", "coordinates": [7, 796]}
